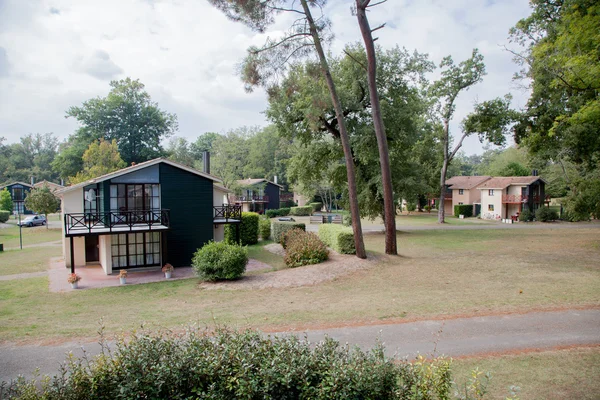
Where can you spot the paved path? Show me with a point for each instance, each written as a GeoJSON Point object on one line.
{"type": "Point", "coordinates": [454, 337]}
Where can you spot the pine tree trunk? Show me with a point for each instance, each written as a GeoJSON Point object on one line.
{"type": "Point", "coordinates": [384, 157]}
{"type": "Point", "coordinates": [352, 193]}
{"type": "Point", "coordinates": [441, 211]}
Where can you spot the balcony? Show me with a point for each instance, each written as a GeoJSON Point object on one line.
{"type": "Point", "coordinates": [249, 199]}
{"type": "Point", "coordinates": [227, 214]}
{"type": "Point", "coordinates": [81, 224]}
{"type": "Point", "coordinates": [448, 195]}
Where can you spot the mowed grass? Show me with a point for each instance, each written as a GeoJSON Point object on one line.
{"type": "Point", "coordinates": [33, 259]}
{"type": "Point", "coordinates": [461, 272]}
{"type": "Point", "coordinates": [559, 374]}
{"type": "Point", "coordinates": [33, 235]}
{"type": "Point", "coordinates": [258, 252]}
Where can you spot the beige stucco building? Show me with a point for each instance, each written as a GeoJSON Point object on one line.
{"type": "Point", "coordinates": [507, 197]}
{"type": "Point", "coordinates": [462, 190]}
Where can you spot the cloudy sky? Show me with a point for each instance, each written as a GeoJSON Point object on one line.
{"type": "Point", "coordinates": [59, 53]}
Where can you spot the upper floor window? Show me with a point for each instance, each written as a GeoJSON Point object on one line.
{"type": "Point", "coordinates": [490, 192]}
{"type": "Point", "coordinates": [461, 191]}
{"type": "Point", "coordinates": [18, 194]}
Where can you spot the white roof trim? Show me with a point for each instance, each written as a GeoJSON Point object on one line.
{"type": "Point", "coordinates": [16, 183]}
{"type": "Point", "coordinates": [137, 167]}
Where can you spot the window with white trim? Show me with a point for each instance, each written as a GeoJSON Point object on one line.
{"type": "Point", "coordinates": [490, 192]}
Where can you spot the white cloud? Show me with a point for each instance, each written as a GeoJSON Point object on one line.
{"type": "Point", "coordinates": [62, 52]}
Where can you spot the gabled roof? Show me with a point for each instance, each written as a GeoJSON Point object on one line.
{"type": "Point", "coordinates": [502, 182]}
{"type": "Point", "coordinates": [137, 167]}
{"type": "Point", "coordinates": [466, 182]}
{"type": "Point", "coordinates": [51, 185]}
{"type": "Point", "coordinates": [16, 183]}
{"type": "Point", "coordinates": [250, 182]}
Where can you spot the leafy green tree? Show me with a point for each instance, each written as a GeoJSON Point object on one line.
{"type": "Point", "coordinates": [129, 116]}
{"type": "Point", "coordinates": [101, 157]}
{"type": "Point", "coordinates": [6, 202]}
{"type": "Point", "coordinates": [305, 37]}
{"type": "Point", "coordinates": [179, 150]}
{"type": "Point", "coordinates": [42, 201]}
{"type": "Point", "coordinates": [30, 157]}
{"type": "Point", "coordinates": [229, 155]}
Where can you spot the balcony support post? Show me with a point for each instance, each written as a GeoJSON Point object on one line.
{"type": "Point", "coordinates": [72, 255]}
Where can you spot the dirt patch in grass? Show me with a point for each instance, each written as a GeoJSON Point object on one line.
{"type": "Point", "coordinates": [276, 248]}
{"type": "Point", "coordinates": [337, 266]}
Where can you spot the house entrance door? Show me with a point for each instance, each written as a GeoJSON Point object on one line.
{"type": "Point", "coordinates": [92, 251]}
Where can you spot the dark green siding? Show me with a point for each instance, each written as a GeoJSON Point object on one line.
{"type": "Point", "coordinates": [273, 192]}
{"type": "Point", "coordinates": [189, 197]}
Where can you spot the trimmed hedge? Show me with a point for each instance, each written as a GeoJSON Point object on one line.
{"type": "Point", "coordinates": [280, 226]}
{"type": "Point", "coordinates": [301, 211]}
{"type": "Point", "coordinates": [316, 206]}
{"type": "Point", "coordinates": [219, 260]}
{"type": "Point", "coordinates": [4, 215]}
{"type": "Point", "coordinates": [278, 212]}
{"type": "Point", "coordinates": [303, 248]}
{"type": "Point", "coordinates": [339, 238]}
{"type": "Point", "coordinates": [264, 226]}
{"type": "Point", "coordinates": [545, 214]}
{"type": "Point", "coordinates": [464, 209]}
{"type": "Point", "coordinates": [193, 364]}
{"type": "Point", "coordinates": [248, 229]}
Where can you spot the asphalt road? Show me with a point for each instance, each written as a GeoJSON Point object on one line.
{"type": "Point", "coordinates": [453, 337]}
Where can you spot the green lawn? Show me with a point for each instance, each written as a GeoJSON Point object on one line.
{"type": "Point", "coordinates": [438, 273]}
{"type": "Point", "coordinates": [33, 259]}
{"type": "Point", "coordinates": [33, 235]}
{"type": "Point", "coordinates": [258, 252]}
{"type": "Point", "coordinates": [560, 374]}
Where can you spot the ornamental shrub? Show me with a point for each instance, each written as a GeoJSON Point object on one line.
{"type": "Point", "coordinates": [280, 226]}
{"type": "Point", "coordinates": [526, 216]}
{"type": "Point", "coordinates": [288, 236]}
{"type": "Point", "coordinates": [279, 212]}
{"type": "Point", "coordinates": [248, 229]}
{"type": "Point", "coordinates": [464, 209]}
{"type": "Point", "coordinates": [316, 206]}
{"type": "Point", "coordinates": [304, 248]}
{"type": "Point", "coordinates": [264, 226]}
{"type": "Point", "coordinates": [301, 211]}
{"type": "Point", "coordinates": [193, 364]}
{"type": "Point", "coordinates": [339, 238]}
{"type": "Point", "coordinates": [219, 260]}
{"type": "Point", "coordinates": [287, 204]}
{"type": "Point", "coordinates": [545, 214]}
{"type": "Point", "coordinates": [4, 215]}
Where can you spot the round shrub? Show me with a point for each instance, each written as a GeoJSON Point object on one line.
{"type": "Point", "coordinates": [219, 260]}
{"type": "Point", "coordinates": [526, 216]}
{"type": "Point", "coordinates": [4, 215]}
{"type": "Point", "coordinates": [410, 206]}
{"type": "Point", "coordinates": [287, 236]}
{"type": "Point", "coordinates": [304, 249]}
{"type": "Point", "coordinates": [301, 211]}
{"type": "Point", "coordinates": [264, 226]}
{"type": "Point", "coordinates": [545, 214]}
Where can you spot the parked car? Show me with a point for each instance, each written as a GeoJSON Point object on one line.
{"type": "Point", "coordinates": [33, 220]}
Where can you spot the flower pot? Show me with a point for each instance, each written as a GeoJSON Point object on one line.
{"type": "Point", "coordinates": [74, 285]}
{"type": "Point", "coordinates": [123, 280]}
{"type": "Point", "coordinates": [168, 274]}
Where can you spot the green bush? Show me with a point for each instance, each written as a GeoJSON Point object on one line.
{"type": "Point", "coordinates": [248, 229]}
{"type": "Point", "coordinates": [304, 248]}
{"type": "Point", "coordinates": [279, 212]}
{"type": "Point", "coordinates": [339, 238]}
{"type": "Point", "coordinates": [191, 364]}
{"type": "Point", "coordinates": [316, 207]}
{"type": "Point", "coordinates": [264, 226]}
{"type": "Point", "coordinates": [526, 216]}
{"type": "Point", "coordinates": [4, 215]}
{"type": "Point", "coordinates": [427, 208]}
{"type": "Point", "coordinates": [410, 206]}
{"type": "Point", "coordinates": [464, 209]}
{"type": "Point", "coordinates": [219, 260]}
{"type": "Point", "coordinates": [287, 204]}
{"type": "Point", "coordinates": [545, 214]}
{"type": "Point", "coordinates": [301, 211]}
{"type": "Point", "coordinates": [279, 227]}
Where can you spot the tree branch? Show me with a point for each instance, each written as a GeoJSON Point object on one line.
{"type": "Point", "coordinates": [376, 4]}
{"type": "Point", "coordinates": [379, 27]}
{"type": "Point", "coordinates": [356, 60]}
{"type": "Point", "coordinates": [458, 146]}
{"type": "Point", "coordinates": [303, 34]}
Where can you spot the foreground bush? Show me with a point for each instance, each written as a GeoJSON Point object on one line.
{"type": "Point", "coordinates": [4, 215]}
{"type": "Point", "coordinates": [304, 248]}
{"type": "Point", "coordinates": [545, 214]}
{"type": "Point", "coordinates": [463, 209]}
{"type": "Point", "coordinates": [264, 227]}
{"type": "Point", "coordinates": [248, 230]}
{"type": "Point", "coordinates": [279, 227]}
{"type": "Point", "coordinates": [526, 216]}
{"type": "Point", "coordinates": [219, 260]}
{"type": "Point", "coordinates": [301, 211]}
{"type": "Point", "coordinates": [340, 238]}
{"type": "Point", "coordinates": [239, 365]}
{"type": "Point", "coordinates": [279, 212]}
{"type": "Point", "coordinates": [288, 236]}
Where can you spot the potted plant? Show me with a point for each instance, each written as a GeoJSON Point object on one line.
{"type": "Point", "coordinates": [123, 276]}
{"type": "Point", "coordinates": [73, 279]}
{"type": "Point", "coordinates": [168, 270]}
